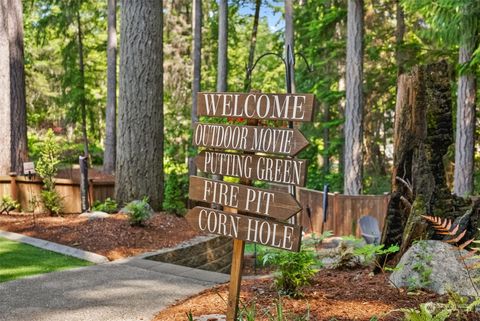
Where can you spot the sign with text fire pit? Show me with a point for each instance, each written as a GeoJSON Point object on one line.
{"type": "Point", "coordinates": [250, 214]}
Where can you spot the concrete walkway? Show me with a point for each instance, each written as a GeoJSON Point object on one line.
{"type": "Point", "coordinates": [126, 290]}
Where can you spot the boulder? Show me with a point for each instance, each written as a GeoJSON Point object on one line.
{"type": "Point", "coordinates": [435, 266]}
{"type": "Point", "coordinates": [95, 215]}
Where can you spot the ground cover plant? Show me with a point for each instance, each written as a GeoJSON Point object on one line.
{"type": "Point", "coordinates": [19, 260]}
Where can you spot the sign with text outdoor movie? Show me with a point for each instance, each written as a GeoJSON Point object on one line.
{"type": "Point", "coordinates": [243, 151]}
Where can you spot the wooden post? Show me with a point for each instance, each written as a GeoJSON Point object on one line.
{"type": "Point", "coordinates": [83, 183]}
{"type": "Point", "coordinates": [13, 186]}
{"type": "Point", "coordinates": [91, 194]}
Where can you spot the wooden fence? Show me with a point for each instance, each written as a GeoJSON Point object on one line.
{"type": "Point", "coordinates": [27, 192]}
{"type": "Point", "coordinates": [343, 210]}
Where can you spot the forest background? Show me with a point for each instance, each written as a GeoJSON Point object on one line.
{"type": "Point", "coordinates": [397, 36]}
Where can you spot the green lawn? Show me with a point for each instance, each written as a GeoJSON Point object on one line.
{"type": "Point", "coordinates": [18, 260]}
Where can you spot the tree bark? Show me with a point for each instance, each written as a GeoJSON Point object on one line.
{"type": "Point", "coordinates": [13, 110]}
{"type": "Point", "coordinates": [81, 68]}
{"type": "Point", "coordinates": [139, 168]}
{"type": "Point", "coordinates": [354, 100]}
{"type": "Point", "coordinates": [222, 69]}
{"type": "Point", "coordinates": [423, 134]}
{"type": "Point", "coordinates": [109, 154]}
{"type": "Point", "coordinates": [197, 68]}
{"type": "Point", "coordinates": [465, 129]}
{"type": "Point", "coordinates": [253, 42]}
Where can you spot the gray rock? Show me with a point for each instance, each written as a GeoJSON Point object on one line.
{"type": "Point", "coordinates": [434, 265]}
{"type": "Point", "coordinates": [95, 215]}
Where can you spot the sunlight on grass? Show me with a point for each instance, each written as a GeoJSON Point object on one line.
{"type": "Point", "coordinates": [19, 260]}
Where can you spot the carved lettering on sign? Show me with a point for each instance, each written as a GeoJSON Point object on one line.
{"type": "Point", "coordinates": [294, 107]}
{"type": "Point", "coordinates": [271, 233]}
{"type": "Point", "coordinates": [249, 138]}
{"type": "Point", "coordinates": [275, 204]}
{"type": "Point", "coordinates": [272, 169]}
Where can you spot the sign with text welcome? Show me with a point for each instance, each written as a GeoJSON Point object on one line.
{"type": "Point", "coordinates": [249, 138]}
{"type": "Point", "coordinates": [271, 169]}
{"type": "Point", "coordinates": [241, 227]}
{"type": "Point", "coordinates": [293, 107]}
{"type": "Point", "coordinates": [274, 204]}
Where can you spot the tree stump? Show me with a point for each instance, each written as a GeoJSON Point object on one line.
{"type": "Point", "coordinates": [423, 135]}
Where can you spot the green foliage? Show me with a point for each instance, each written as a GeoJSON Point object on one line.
{"type": "Point", "coordinates": [47, 167]}
{"type": "Point", "coordinates": [189, 316]}
{"type": "Point", "coordinates": [371, 251]}
{"type": "Point", "coordinates": [247, 312]}
{"type": "Point", "coordinates": [175, 193]}
{"type": "Point", "coordinates": [8, 204]}
{"type": "Point", "coordinates": [427, 312]}
{"type": "Point", "coordinates": [47, 164]}
{"type": "Point", "coordinates": [139, 212]}
{"type": "Point", "coordinates": [52, 201]}
{"type": "Point", "coordinates": [293, 269]}
{"type": "Point", "coordinates": [108, 206]}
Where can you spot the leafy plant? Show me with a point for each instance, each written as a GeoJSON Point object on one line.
{"type": "Point", "coordinates": [189, 316]}
{"type": "Point", "coordinates": [107, 206]}
{"type": "Point", "coordinates": [371, 251]}
{"type": "Point", "coordinates": [247, 312]}
{"type": "Point", "coordinates": [280, 314]}
{"type": "Point", "coordinates": [176, 189]}
{"type": "Point", "coordinates": [8, 204]}
{"type": "Point", "coordinates": [293, 269]}
{"type": "Point", "coordinates": [427, 312]}
{"type": "Point", "coordinates": [47, 167]}
{"type": "Point", "coordinates": [139, 212]}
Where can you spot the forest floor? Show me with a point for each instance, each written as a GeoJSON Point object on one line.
{"type": "Point", "coordinates": [339, 295]}
{"type": "Point", "coordinates": [112, 237]}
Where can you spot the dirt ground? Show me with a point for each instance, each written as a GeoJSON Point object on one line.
{"type": "Point", "coordinates": [332, 295]}
{"type": "Point", "coordinates": [112, 237]}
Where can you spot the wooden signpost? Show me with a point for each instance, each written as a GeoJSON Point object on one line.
{"type": "Point", "coordinates": [293, 107]}
{"type": "Point", "coordinates": [262, 212]}
{"type": "Point", "coordinates": [256, 167]}
{"type": "Point", "coordinates": [273, 204]}
{"type": "Point", "coordinates": [249, 138]}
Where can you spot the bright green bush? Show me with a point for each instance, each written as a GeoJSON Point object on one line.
{"type": "Point", "coordinates": [175, 194]}
{"type": "Point", "coordinates": [8, 204]}
{"type": "Point", "coordinates": [47, 167]}
{"type": "Point", "coordinates": [108, 206]}
{"type": "Point", "coordinates": [139, 212]}
{"type": "Point", "coordinates": [293, 269]}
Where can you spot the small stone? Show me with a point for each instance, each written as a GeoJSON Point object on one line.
{"type": "Point", "coordinates": [95, 215]}
{"type": "Point", "coordinates": [211, 317]}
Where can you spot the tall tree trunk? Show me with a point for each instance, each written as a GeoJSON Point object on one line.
{"type": "Point", "coordinates": [354, 99]}
{"type": "Point", "coordinates": [83, 100]}
{"type": "Point", "coordinates": [465, 129]}
{"type": "Point", "coordinates": [253, 42]}
{"type": "Point", "coordinates": [222, 69]}
{"type": "Point", "coordinates": [139, 167]}
{"type": "Point", "coordinates": [197, 64]}
{"type": "Point", "coordinates": [289, 38]}
{"type": "Point", "coordinates": [13, 124]}
{"type": "Point", "coordinates": [399, 35]}
{"type": "Point", "coordinates": [109, 155]}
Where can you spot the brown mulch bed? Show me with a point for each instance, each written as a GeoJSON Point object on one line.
{"type": "Point", "coordinates": [112, 237]}
{"type": "Point", "coordinates": [333, 295]}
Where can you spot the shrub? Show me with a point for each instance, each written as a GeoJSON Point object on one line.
{"type": "Point", "coordinates": [175, 195]}
{"type": "Point", "coordinates": [47, 167]}
{"type": "Point", "coordinates": [139, 211]}
{"type": "Point", "coordinates": [108, 206]}
{"type": "Point", "coordinates": [8, 204]}
{"type": "Point", "coordinates": [293, 269]}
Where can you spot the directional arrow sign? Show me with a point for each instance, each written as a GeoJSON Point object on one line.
{"type": "Point", "coordinates": [275, 204]}
{"type": "Point", "coordinates": [271, 233]}
{"type": "Point", "coordinates": [294, 107]}
{"type": "Point", "coordinates": [249, 138]}
{"type": "Point", "coordinates": [272, 169]}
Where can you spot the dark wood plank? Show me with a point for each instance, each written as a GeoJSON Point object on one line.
{"type": "Point", "coordinates": [247, 228]}
{"type": "Point", "coordinates": [249, 138]}
{"type": "Point", "coordinates": [293, 107]}
{"type": "Point", "coordinates": [274, 204]}
{"type": "Point", "coordinates": [264, 168]}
